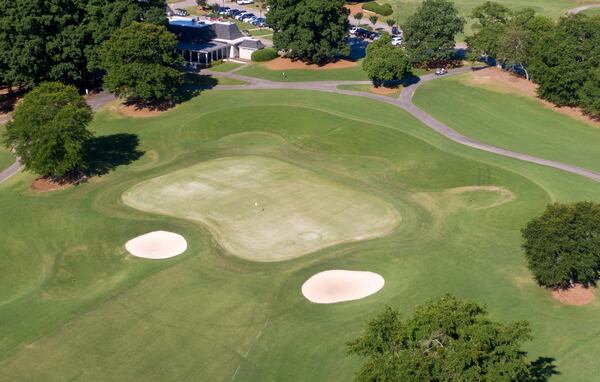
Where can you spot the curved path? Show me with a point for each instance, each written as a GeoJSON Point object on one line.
{"type": "Point", "coordinates": [582, 8]}
{"type": "Point", "coordinates": [405, 102]}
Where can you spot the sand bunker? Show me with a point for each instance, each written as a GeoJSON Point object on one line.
{"type": "Point", "coordinates": [157, 245]}
{"type": "Point", "coordinates": [263, 209]}
{"type": "Point", "coordinates": [334, 286]}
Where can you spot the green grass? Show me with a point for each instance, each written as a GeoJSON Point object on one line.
{"type": "Point", "coordinates": [225, 67]}
{"type": "Point", "coordinates": [346, 74]}
{"type": "Point", "coordinates": [510, 121]}
{"type": "Point", "coordinates": [6, 159]}
{"type": "Point", "coordinates": [74, 306]}
{"type": "Point", "coordinates": [368, 89]}
{"type": "Point", "coordinates": [592, 12]}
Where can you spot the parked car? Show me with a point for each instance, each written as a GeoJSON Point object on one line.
{"type": "Point", "coordinates": [440, 71]}
{"type": "Point", "coordinates": [374, 36]}
{"type": "Point", "coordinates": [232, 12]}
{"type": "Point", "coordinates": [395, 31]}
{"type": "Point", "coordinates": [353, 30]}
{"type": "Point", "coordinates": [223, 11]}
{"type": "Point", "coordinates": [245, 18]}
{"type": "Point", "coordinates": [260, 22]}
{"type": "Point", "coordinates": [250, 20]}
{"type": "Point", "coordinates": [246, 32]}
{"type": "Point", "coordinates": [180, 12]}
{"type": "Point", "coordinates": [244, 2]}
{"type": "Point", "coordinates": [360, 32]}
{"type": "Point", "coordinates": [240, 15]}
{"type": "Point", "coordinates": [396, 40]}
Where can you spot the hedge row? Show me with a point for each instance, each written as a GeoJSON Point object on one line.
{"type": "Point", "coordinates": [266, 54]}
{"type": "Point", "coordinates": [383, 10]}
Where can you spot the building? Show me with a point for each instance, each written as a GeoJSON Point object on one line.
{"type": "Point", "coordinates": [201, 42]}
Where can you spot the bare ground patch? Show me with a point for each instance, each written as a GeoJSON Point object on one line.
{"type": "Point", "coordinates": [282, 63]}
{"type": "Point", "coordinates": [505, 82]}
{"type": "Point", "coordinates": [577, 295]}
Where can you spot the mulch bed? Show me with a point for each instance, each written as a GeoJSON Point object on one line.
{"type": "Point", "coordinates": [577, 295]}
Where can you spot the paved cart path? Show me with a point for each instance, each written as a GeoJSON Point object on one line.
{"type": "Point", "coordinates": [582, 8]}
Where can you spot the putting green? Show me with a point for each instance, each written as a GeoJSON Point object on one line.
{"type": "Point", "coordinates": [265, 209]}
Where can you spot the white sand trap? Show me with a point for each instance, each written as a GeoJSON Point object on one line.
{"type": "Point", "coordinates": [264, 209]}
{"type": "Point", "coordinates": [157, 245]}
{"type": "Point", "coordinates": [334, 286]}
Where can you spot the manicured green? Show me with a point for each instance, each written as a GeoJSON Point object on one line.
{"type": "Point", "coordinates": [293, 75]}
{"type": "Point", "coordinates": [225, 67]}
{"type": "Point", "coordinates": [75, 306]}
{"type": "Point", "coordinates": [511, 121]}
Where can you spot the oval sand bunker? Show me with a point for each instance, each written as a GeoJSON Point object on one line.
{"type": "Point", "coordinates": [157, 245]}
{"type": "Point", "coordinates": [334, 286]}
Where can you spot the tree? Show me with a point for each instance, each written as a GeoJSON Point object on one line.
{"type": "Point", "coordinates": [373, 19]}
{"type": "Point", "coordinates": [564, 59]}
{"type": "Point", "coordinates": [201, 3]}
{"type": "Point", "coordinates": [358, 16]}
{"type": "Point", "coordinates": [314, 31]}
{"type": "Point", "coordinates": [390, 22]}
{"type": "Point", "coordinates": [515, 48]}
{"type": "Point", "coordinates": [141, 63]}
{"type": "Point", "coordinates": [48, 130]}
{"type": "Point", "coordinates": [589, 94]}
{"type": "Point", "coordinates": [262, 6]}
{"type": "Point", "coordinates": [385, 62]}
{"type": "Point", "coordinates": [444, 340]}
{"type": "Point", "coordinates": [429, 33]}
{"type": "Point", "coordinates": [491, 22]}
{"type": "Point", "coordinates": [562, 246]}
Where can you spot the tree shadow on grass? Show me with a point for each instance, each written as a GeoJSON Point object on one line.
{"type": "Point", "coordinates": [541, 370]}
{"type": "Point", "coordinates": [105, 153]}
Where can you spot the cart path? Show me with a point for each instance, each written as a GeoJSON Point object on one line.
{"type": "Point", "coordinates": [405, 103]}
{"type": "Point", "coordinates": [582, 8]}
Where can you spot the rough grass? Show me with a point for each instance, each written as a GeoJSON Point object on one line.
{"type": "Point", "coordinates": [74, 306]}
{"type": "Point", "coordinates": [510, 121]}
{"type": "Point", "coordinates": [244, 198]}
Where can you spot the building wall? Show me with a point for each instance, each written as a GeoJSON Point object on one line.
{"type": "Point", "coordinates": [246, 53]}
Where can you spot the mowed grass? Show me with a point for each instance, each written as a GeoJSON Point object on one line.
{"type": "Point", "coordinates": [6, 159]}
{"type": "Point", "coordinates": [75, 306]}
{"type": "Point", "coordinates": [225, 67]}
{"type": "Point", "coordinates": [296, 75]}
{"type": "Point", "coordinates": [242, 199]}
{"type": "Point", "coordinates": [592, 12]}
{"type": "Point", "coordinates": [511, 121]}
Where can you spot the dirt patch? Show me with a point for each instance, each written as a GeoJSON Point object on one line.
{"type": "Point", "coordinates": [383, 90]}
{"type": "Point", "coordinates": [577, 295]}
{"type": "Point", "coordinates": [505, 82]}
{"type": "Point", "coordinates": [354, 8]}
{"type": "Point", "coordinates": [281, 63]}
{"type": "Point", "coordinates": [46, 185]}
{"type": "Point", "coordinates": [136, 112]}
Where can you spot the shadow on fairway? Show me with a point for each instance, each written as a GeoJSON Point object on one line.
{"type": "Point", "coordinates": [105, 153]}
{"type": "Point", "coordinates": [542, 369]}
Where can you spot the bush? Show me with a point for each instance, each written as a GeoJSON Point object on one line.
{"type": "Point", "coordinates": [266, 54]}
{"type": "Point", "coordinates": [383, 10]}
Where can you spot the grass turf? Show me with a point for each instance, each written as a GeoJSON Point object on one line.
{"type": "Point", "coordinates": [295, 75]}
{"type": "Point", "coordinates": [225, 67]}
{"type": "Point", "coordinates": [6, 159]}
{"type": "Point", "coordinates": [73, 305]}
{"type": "Point", "coordinates": [511, 121]}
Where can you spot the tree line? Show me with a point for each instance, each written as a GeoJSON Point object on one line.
{"type": "Point", "coordinates": [562, 57]}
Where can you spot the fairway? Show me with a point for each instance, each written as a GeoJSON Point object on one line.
{"type": "Point", "coordinates": [510, 121]}
{"type": "Point", "coordinates": [439, 218]}
{"type": "Point", "coordinates": [263, 209]}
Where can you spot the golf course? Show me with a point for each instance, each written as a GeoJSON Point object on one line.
{"type": "Point", "coordinates": [265, 204]}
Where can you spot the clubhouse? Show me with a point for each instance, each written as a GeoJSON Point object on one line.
{"type": "Point", "coordinates": [201, 42]}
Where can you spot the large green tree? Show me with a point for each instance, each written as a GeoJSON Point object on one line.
{"type": "Point", "coordinates": [445, 340]}
{"type": "Point", "coordinates": [48, 130]}
{"type": "Point", "coordinates": [565, 58]}
{"type": "Point", "coordinates": [385, 62]}
{"type": "Point", "coordinates": [141, 63]}
{"type": "Point", "coordinates": [491, 19]}
{"type": "Point", "coordinates": [562, 245]}
{"type": "Point", "coordinates": [310, 30]}
{"type": "Point", "coordinates": [58, 40]}
{"type": "Point", "coordinates": [430, 33]}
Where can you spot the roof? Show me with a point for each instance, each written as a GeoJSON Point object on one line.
{"type": "Point", "coordinates": [191, 30]}
{"type": "Point", "coordinates": [252, 44]}
{"type": "Point", "coordinates": [205, 47]}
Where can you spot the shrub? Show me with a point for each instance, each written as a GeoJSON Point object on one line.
{"type": "Point", "coordinates": [266, 54]}
{"type": "Point", "coordinates": [382, 9]}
